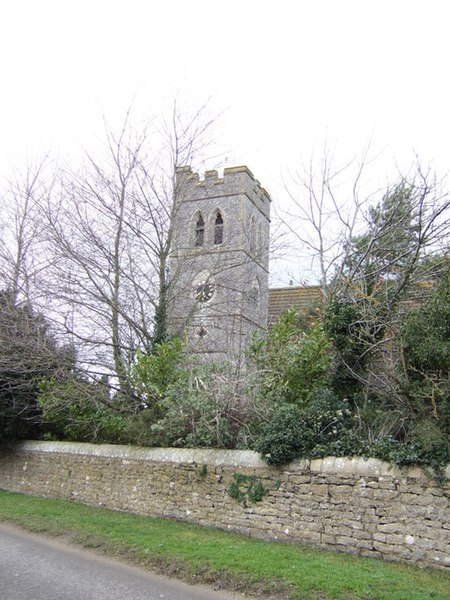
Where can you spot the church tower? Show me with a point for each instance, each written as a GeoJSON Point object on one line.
{"type": "Point", "coordinates": [219, 261]}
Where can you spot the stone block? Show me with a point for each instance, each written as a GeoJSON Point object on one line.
{"type": "Point", "coordinates": [390, 527]}
{"type": "Point", "coordinates": [319, 489]}
{"type": "Point", "coordinates": [383, 548]}
{"type": "Point", "coordinates": [328, 539]}
{"type": "Point", "coordinates": [437, 558]}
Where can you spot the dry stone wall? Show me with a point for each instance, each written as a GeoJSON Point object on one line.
{"type": "Point", "coordinates": [364, 507]}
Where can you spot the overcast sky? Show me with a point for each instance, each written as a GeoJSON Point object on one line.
{"type": "Point", "coordinates": [287, 74]}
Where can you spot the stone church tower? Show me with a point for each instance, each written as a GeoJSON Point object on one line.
{"type": "Point", "coordinates": [219, 261]}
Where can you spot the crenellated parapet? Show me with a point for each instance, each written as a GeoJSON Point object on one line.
{"type": "Point", "coordinates": [235, 181]}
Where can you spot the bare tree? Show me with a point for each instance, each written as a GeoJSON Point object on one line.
{"type": "Point", "coordinates": [326, 206]}
{"type": "Point", "coordinates": [22, 262]}
{"type": "Point", "coordinates": [109, 229]}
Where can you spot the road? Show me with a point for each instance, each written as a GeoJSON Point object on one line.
{"type": "Point", "coordinates": [38, 568]}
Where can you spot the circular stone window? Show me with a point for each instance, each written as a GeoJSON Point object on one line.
{"type": "Point", "coordinates": [204, 291]}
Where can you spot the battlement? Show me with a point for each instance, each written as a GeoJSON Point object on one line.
{"type": "Point", "coordinates": [235, 181]}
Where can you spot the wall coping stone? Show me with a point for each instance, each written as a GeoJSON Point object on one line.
{"type": "Point", "coordinates": [370, 467]}
{"type": "Point", "coordinates": [210, 456]}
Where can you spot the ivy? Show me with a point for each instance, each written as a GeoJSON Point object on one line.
{"type": "Point", "coordinates": [248, 488]}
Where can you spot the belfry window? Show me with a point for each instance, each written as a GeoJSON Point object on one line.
{"type": "Point", "coordinates": [218, 230]}
{"type": "Point", "coordinates": [200, 231]}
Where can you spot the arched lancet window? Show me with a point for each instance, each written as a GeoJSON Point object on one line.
{"type": "Point", "coordinates": [259, 239]}
{"type": "Point", "coordinates": [218, 229]}
{"type": "Point", "coordinates": [255, 293]}
{"type": "Point", "coordinates": [200, 231]}
{"type": "Point", "coordinates": [253, 234]}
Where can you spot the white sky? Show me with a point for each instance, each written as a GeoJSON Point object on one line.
{"type": "Point", "coordinates": [288, 74]}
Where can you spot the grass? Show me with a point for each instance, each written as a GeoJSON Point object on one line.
{"type": "Point", "coordinates": [199, 554]}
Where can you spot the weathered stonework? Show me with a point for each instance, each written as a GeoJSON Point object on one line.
{"type": "Point", "coordinates": [234, 270]}
{"type": "Point", "coordinates": [363, 507]}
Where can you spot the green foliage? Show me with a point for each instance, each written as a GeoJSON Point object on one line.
{"type": "Point", "coordinates": [81, 411]}
{"type": "Point", "coordinates": [343, 325]}
{"type": "Point", "coordinates": [153, 375]}
{"type": "Point", "coordinates": [28, 354]}
{"type": "Point", "coordinates": [410, 453]}
{"type": "Point", "coordinates": [389, 243]}
{"type": "Point", "coordinates": [180, 403]}
{"type": "Point", "coordinates": [326, 428]}
{"type": "Point", "coordinates": [294, 359]}
{"type": "Point", "coordinates": [203, 408]}
{"type": "Point", "coordinates": [392, 341]}
{"type": "Point", "coordinates": [203, 472]}
{"type": "Point", "coordinates": [408, 421]}
{"type": "Point", "coordinates": [425, 339]}
{"type": "Point", "coordinates": [247, 488]}
{"type": "Point", "coordinates": [373, 280]}
{"type": "Point", "coordinates": [426, 336]}
{"type": "Point", "coordinates": [322, 427]}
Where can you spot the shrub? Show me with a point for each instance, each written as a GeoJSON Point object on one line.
{"type": "Point", "coordinates": [81, 411]}
{"type": "Point", "coordinates": [345, 327]}
{"type": "Point", "coordinates": [206, 407]}
{"type": "Point", "coordinates": [294, 359]}
{"type": "Point", "coordinates": [153, 375]}
{"type": "Point", "coordinates": [29, 353]}
{"type": "Point", "coordinates": [323, 427]}
{"type": "Point", "coordinates": [425, 338]}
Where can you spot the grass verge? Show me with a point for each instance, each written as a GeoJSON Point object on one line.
{"type": "Point", "coordinates": [199, 554]}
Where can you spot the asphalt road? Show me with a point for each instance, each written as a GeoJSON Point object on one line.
{"type": "Point", "coordinates": [38, 568]}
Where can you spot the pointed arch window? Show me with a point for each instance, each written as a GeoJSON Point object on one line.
{"type": "Point", "coordinates": [253, 234]}
{"type": "Point", "coordinates": [200, 231]}
{"type": "Point", "coordinates": [255, 293]}
{"type": "Point", "coordinates": [259, 239]}
{"type": "Point", "coordinates": [218, 229]}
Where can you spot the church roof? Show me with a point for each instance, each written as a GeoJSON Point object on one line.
{"type": "Point", "coordinates": [281, 299]}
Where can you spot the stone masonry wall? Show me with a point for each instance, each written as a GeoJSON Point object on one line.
{"type": "Point", "coordinates": [364, 507]}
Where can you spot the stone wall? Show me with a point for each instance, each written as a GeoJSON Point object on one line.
{"type": "Point", "coordinates": [359, 506]}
